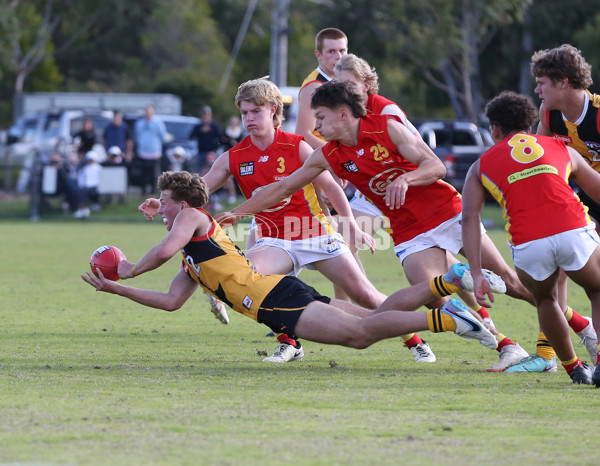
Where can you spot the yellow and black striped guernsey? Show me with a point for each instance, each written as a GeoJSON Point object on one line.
{"type": "Point", "coordinates": [218, 266]}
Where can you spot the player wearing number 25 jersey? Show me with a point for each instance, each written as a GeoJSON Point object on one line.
{"type": "Point", "coordinates": [374, 163]}
{"type": "Point", "coordinates": [527, 175]}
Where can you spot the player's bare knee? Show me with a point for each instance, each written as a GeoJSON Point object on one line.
{"type": "Point", "coordinates": [365, 297]}
{"type": "Point", "coordinates": [362, 338]}
{"type": "Point", "coordinates": [359, 342]}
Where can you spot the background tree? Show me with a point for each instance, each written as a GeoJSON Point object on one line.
{"type": "Point", "coordinates": [436, 58]}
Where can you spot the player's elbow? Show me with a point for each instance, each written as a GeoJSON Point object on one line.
{"type": "Point", "coordinates": [442, 171]}
{"type": "Point", "coordinates": [172, 303]}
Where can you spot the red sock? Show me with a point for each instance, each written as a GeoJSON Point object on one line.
{"type": "Point", "coordinates": [483, 313]}
{"type": "Point", "coordinates": [505, 342]}
{"type": "Point", "coordinates": [283, 338]}
{"type": "Point", "coordinates": [415, 340]}
{"type": "Point", "coordinates": [570, 367]}
{"type": "Point", "coordinates": [578, 322]}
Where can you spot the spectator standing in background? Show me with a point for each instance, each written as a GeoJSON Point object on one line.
{"type": "Point", "coordinates": [118, 134]}
{"type": "Point", "coordinates": [149, 134]}
{"type": "Point", "coordinates": [86, 137]}
{"type": "Point", "coordinates": [208, 134]}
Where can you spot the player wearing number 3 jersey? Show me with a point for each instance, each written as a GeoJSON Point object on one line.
{"type": "Point", "coordinates": [548, 227]}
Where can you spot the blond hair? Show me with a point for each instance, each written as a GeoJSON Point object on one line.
{"type": "Point", "coordinates": [261, 92]}
{"type": "Point", "coordinates": [359, 68]}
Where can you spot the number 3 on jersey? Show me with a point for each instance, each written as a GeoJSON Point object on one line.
{"type": "Point", "coordinates": [281, 167]}
{"type": "Point", "coordinates": [525, 148]}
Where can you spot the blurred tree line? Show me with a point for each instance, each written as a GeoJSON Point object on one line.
{"type": "Point", "coordinates": [436, 58]}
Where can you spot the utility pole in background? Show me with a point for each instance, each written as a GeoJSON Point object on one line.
{"type": "Point", "coordinates": [238, 44]}
{"type": "Point", "coordinates": [279, 42]}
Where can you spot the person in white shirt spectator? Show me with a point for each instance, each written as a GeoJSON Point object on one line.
{"type": "Point", "coordinates": [88, 179]}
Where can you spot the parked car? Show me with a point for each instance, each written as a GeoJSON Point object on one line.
{"type": "Point", "coordinates": [179, 129]}
{"type": "Point", "coordinates": [23, 135]}
{"type": "Point", "coordinates": [61, 128]}
{"type": "Point", "coordinates": [458, 144]}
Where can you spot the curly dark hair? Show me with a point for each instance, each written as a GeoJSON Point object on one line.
{"type": "Point", "coordinates": [562, 62]}
{"type": "Point", "coordinates": [185, 186]}
{"type": "Point", "coordinates": [334, 94]}
{"type": "Point", "coordinates": [511, 112]}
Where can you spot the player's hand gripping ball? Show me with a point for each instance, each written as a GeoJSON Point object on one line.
{"type": "Point", "coordinates": [107, 259]}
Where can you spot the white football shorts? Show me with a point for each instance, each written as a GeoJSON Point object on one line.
{"type": "Point", "coordinates": [360, 203]}
{"type": "Point", "coordinates": [447, 235]}
{"type": "Point", "coordinates": [569, 250]}
{"type": "Point", "coordinates": [304, 252]}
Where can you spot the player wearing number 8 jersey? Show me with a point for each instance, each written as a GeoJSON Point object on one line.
{"type": "Point", "coordinates": [548, 226]}
{"type": "Point", "coordinates": [514, 181]}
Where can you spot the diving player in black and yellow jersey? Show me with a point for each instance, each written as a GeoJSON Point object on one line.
{"type": "Point", "coordinates": [283, 303]}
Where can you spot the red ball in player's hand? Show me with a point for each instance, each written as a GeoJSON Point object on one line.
{"type": "Point", "coordinates": [107, 258]}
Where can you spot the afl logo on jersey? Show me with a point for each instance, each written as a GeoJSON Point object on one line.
{"type": "Point", "coordinates": [246, 168]}
{"type": "Point", "coordinates": [350, 166]}
{"type": "Point", "coordinates": [379, 182]}
{"type": "Point", "coordinates": [276, 207]}
{"type": "Point", "coordinates": [592, 145]}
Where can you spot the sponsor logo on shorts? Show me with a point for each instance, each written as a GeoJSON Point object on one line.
{"type": "Point", "coordinates": [333, 247]}
{"type": "Point", "coordinates": [246, 168]}
{"type": "Point", "coordinates": [350, 166]}
{"type": "Point", "coordinates": [247, 302]}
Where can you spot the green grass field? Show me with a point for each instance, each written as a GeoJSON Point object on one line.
{"type": "Point", "coordinates": [89, 378]}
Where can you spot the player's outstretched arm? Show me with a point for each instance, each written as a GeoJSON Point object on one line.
{"type": "Point", "coordinates": [181, 289]}
{"type": "Point", "coordinates": [187, 222]}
